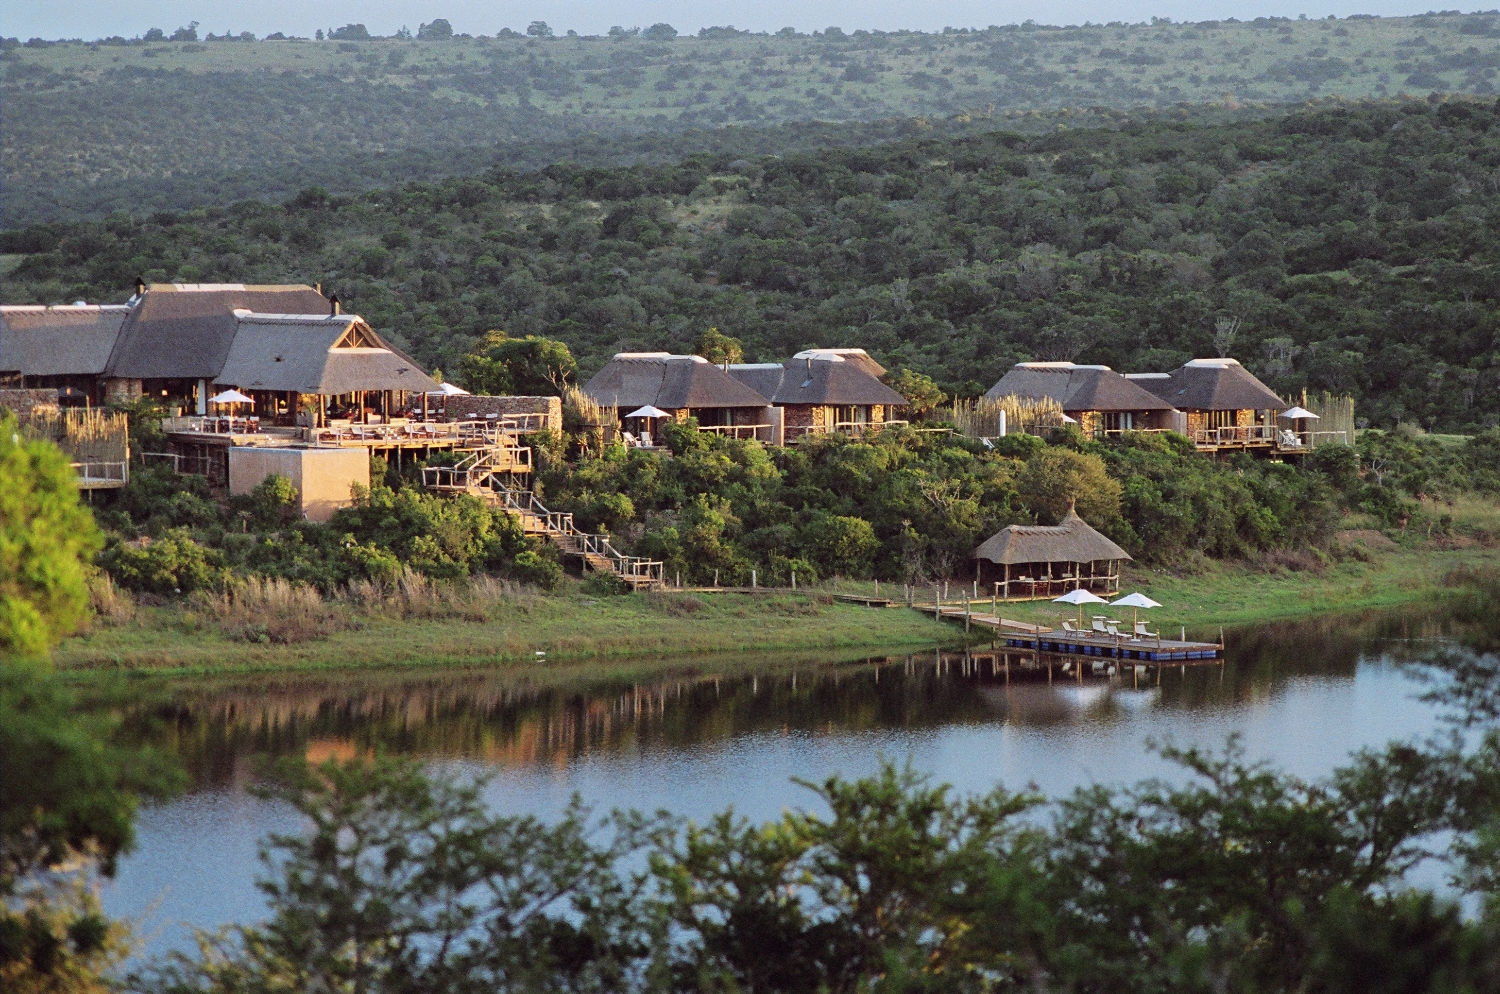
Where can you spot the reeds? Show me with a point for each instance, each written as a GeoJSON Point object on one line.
{"type": "Point", "coordinates": [1335, 414]}
{"type": "Point", "coordinates": [91, 435]}
{"type": "Point", "coordinates": [981, 418]}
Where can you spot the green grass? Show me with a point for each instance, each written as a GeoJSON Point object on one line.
{"type": "Point", "coordinates": [633, 631]}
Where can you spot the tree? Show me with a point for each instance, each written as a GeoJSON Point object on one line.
{"type": "Point", "coordinates": [1055, 479]}
{"type": "Point", "coordinates": [922, 395]}
{"type": "Point", "coordinates": [46, 541]}
{"type": "Point", "coordinates": [154, 34]}
{"type": "Point", "coordinates": [68, 795]}
{"type": "Point", "coordinates": [660, 31]}
{"type": "Point", "coordinates": [717, 347]}
{"type": "Point", "coordinates": [530, 366]}
{"type": "Point", "coordinates": [437, 30]}
{"type": "Point", "coordinates": [405, 883]}
{"type": "Point", "coordinates": [539, 29]}
{"type": "Point", "coordinates": [350, 32]}
{"type": "Point", "coordinates": [187, 33]}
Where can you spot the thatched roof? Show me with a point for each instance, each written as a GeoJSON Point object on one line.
{"type": "Point", "coordinates": [314, 354]}
{"type": "Point", "coordinates": [670, 382]}
{"type": "Point", "coordinates": [59, 341]}
{"type": "Point", "coordinates": [1073, 541]}
{"type": "Point", "coordinates": [1076, 388]}
{"type": "Point", "coordinates": [185, 329]}
{"type": "Point", "coordinates": [1212, 385]}
{"type": "Point", "coordinates": [818, 376]}
{"type": "Point", "coordinates": [858, 357]}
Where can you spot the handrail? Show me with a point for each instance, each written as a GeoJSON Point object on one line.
{"type": "Point", "coordinates": [113, 469]}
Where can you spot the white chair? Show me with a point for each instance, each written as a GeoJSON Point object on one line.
{"type": "Point", "coordinates": [1140, 631]}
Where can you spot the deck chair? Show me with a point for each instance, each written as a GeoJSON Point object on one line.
{"type": "Point", "coordinates": [1067, 626]}
{"type": "Point", "coordinates": [1113, 628]}
{"type": "Point", "coordinates": [1140, 631]}
{"type": "Point", "coordinates": [1099, 625]}
{"type": "Point", "coordinates": [630, 440]}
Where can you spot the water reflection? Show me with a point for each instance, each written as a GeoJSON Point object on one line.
{"type": "Point", "coordinates": [219, 730]}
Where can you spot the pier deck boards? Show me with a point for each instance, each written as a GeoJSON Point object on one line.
{"type": "Point", "coordinates": [1021, 635]}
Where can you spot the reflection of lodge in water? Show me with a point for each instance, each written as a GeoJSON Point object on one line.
{"type": "Point", "coordinates": [473, 716]}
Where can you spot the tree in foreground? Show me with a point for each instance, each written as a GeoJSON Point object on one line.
{"type": "Point", "coordinates": [46, 540]}
{"type": "Point", "coordinates": [68, 790]}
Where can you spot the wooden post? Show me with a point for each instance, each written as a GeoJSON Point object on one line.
{"type": "Point", "coordinates": [794, 580]}
{"type": "Point", "coordinates": [995, 603]}
{"type": "Point", "coordinates": [966, 614]}
{"type": "Point", "coordinates": [716, 578]}
{"type": "Point", "coordinates": [679, 579]}
{"type": "Point", "coordinates": [877, 588]}
{"type": "Point", "coordinates": [754, 584]}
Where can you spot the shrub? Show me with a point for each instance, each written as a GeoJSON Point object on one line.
{"type": "Point", "coordinates": [170, 564]}
{"type": "Point", "coordinates": [536, 569]}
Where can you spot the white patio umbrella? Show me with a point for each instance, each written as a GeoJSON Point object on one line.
{"type": "Point", "coordinates": [1135, 602]}
{"type": "Point", "coordinates": [1079, 597]}
{"type": "Point", "coordinates": [447, 389]}
{"type": "Point", "coordinates": [231, 397]}
{"type": "Point", "coordinates": [648, 412]}
{"type": "Point", "coordinates": [1297, 414]}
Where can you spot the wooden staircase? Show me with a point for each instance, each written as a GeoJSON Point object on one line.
{"type": "Point", "coordinates": [478, 474]}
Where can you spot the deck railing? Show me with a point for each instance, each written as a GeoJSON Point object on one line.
{"type": "Point", "coordinates": [102, 473]}
{"type": "Point", "coordinates": [736, 431]}
{"type": "Point", "coordinates": [1230, 435]}
{"type": "Point", "coordinates": [856, 429]}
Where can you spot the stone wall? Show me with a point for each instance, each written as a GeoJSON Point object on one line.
{"type": "Point", "coordinates": [471, 407]}
{"type": "Point", "coordinates": [22, 402]}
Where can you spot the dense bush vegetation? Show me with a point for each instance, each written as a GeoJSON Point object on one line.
{"type": "Point", "coordinates": [1344, 248]}
{"type": "Point", "coordinates": [168, 537]}
{"type": "Point", "coordinates": [93, 128]}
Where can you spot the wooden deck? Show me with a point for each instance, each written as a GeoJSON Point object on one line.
{"type": "Point", "coordinates": [1036, 638]}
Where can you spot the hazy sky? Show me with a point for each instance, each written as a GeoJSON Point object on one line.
{"type": "Point", "coordinates": [90, 19]}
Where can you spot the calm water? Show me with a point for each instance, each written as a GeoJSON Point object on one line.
{"type": "Point", "coordinates": [1300, 697]}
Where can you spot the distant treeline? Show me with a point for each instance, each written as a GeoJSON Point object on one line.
{"type": "Point", "coordinates": [173, 120]}
{"type": "Point", "coordinates": [1348, 249]}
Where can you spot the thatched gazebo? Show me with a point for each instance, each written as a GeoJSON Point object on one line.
{"type": "Point", "coordinates": [1046, 560]}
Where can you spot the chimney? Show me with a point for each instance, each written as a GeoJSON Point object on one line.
{"type": "Point", "coordinates": [140, 286]}
{"type": "Point", "coordinates": [334, 307]}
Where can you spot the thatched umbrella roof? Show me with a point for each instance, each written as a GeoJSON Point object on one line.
{"type": "Point", "coordinates": [1072, 541]}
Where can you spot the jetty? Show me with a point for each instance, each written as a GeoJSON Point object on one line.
{"type": "Point", "coordinates": [1038, 638]}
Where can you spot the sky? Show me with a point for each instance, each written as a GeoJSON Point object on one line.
{"type": "Point", "coordinates": [91, 19]}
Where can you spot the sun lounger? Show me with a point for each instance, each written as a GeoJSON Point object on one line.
{"type": "Point", "coordinates": [1140, 631]}
{"type": "Point", "coordinates": [1067, 626]}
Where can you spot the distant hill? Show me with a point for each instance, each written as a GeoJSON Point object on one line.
{"type": "Point", "coordinates": [92, 128]}
{"type": "Point", "coordinates": [1344, 247]}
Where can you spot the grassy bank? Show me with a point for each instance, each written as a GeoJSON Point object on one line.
{"type": "Point", "coordinates": [563, 637]}
{"type": "Point", "coordinates": [614, 636]}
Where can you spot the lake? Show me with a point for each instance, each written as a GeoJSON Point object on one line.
{"type": "Point", "coordinates": [1301, 697]}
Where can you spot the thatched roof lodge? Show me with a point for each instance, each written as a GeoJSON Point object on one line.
{"type": "Point", "coordinates": [1049, 560]}
{"type": "Point", "coordinates": [683, 386]}
{"type": "Point", "coordinates": [1225, 405]}
{"type": "Point", "coordinates": [1101, 400]}
{"type": "Point", "coordinates": [823, 390]}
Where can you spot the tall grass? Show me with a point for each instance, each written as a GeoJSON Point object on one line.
{"type": "Point", "coordinates": [981, 418]}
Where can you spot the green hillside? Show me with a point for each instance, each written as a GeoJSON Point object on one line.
{"type": "Point", "coordinates": [96, 127]}
{"type": "Point", "coordinates": [1348, 248]}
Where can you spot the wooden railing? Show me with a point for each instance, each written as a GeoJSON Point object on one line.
{"type": "Point", "coordinates": [96, 473]}
{"type": "Point", "coordinates": [1236, 435]}
{"type": "Point", "coordinates": [854, 428]}
{"type": "Point", "coordinates": [736, 431]}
